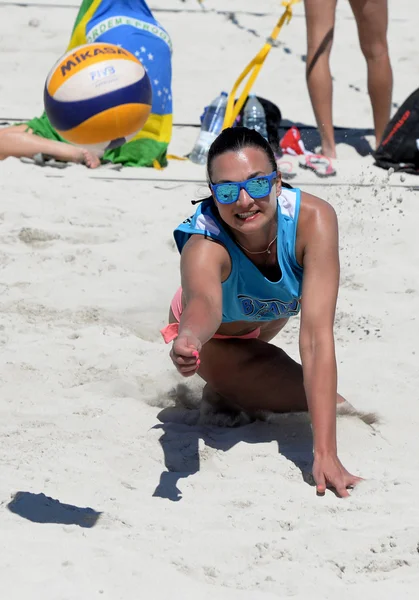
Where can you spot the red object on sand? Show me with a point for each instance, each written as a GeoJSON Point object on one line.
{"type": "Point", "coordinates": [292, 143]}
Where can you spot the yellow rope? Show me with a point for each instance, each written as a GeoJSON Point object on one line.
{"type": "Point", "coordinates": [232, 109]}
{"type": "Point", "coordinates": [176, 157]}
{"type": "Point", "coordinates": [254, 67]}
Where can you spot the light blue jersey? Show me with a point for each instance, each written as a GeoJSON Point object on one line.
{"type": "Point", "coordinates": [247, 294]}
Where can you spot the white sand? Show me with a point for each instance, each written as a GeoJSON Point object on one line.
{"type": "Point", "coordinates": [88, 268]}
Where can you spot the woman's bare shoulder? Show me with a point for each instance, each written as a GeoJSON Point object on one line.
{"type": "Point", "coordinates": [317, 219]}
{"type": "Point", "coordinates": [202, 244]}
{"type": "Point", "coordinates": [314, 212]}
{"type": "Point", "coordinates": [201, 252]}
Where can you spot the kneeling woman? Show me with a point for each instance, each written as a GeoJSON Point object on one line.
{"type": "Point", "coordinates": [252, 255]}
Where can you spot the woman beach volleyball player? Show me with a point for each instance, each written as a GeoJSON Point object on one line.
{"type": "Point", "coordinates": [252, 255]}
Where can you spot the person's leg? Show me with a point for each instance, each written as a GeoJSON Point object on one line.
{"type": "Point", "coordinates": [252, 375]}
{"type": "Point", "coordinates": [372, 20]}
{"type": "Point", "coordinates": [18, 142]}
{"type": "Point", "coordinates": [320, 22]}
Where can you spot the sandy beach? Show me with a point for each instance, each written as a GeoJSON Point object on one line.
{"type": "Point", "coordinates": [109, 488]}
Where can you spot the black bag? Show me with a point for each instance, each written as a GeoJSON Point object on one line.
{"type": "Point", "coordinates": [273, 122]}
{"type": "Point", "coordinates": [399, 149]}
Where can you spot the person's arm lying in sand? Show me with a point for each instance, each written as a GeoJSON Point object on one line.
{"type": "Point", "coordinates": [232, 353]}
{"type": "Point", "coordinates": [20, 142]}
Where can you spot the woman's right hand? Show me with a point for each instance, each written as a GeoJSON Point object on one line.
{"type": "Point", "coordinates": [185, 354]}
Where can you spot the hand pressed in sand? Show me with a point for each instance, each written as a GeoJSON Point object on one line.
{"type": "Point", "coordinates": [328, 472]}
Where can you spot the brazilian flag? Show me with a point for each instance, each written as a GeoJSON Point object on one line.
{"type": "Point", "coordinates": [131, 25]}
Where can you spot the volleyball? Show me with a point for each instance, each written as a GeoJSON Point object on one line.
{"type": "Point", "coordinates": [98, 96]}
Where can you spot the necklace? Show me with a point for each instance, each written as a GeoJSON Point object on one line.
{"type": "Point", "coordinates": [268, 251]}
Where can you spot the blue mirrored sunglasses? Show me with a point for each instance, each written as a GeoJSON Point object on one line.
{"type": "Point", "coordinates": [257, 187]}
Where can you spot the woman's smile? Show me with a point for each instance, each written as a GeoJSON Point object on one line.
{"type": "Point", "coordinates": [249, 215]}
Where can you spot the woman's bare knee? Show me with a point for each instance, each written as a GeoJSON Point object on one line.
{"type": "Point", "coordinates": [374, 50]}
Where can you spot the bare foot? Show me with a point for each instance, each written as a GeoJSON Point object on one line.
{"type": "Point", "coordinates": [329, 151]}
{"type": "Point", "coordinates": [90, 159]}
{"type": "Point", "coordinates": [83, 156]}
{"type": "Point", "coordinates": [340, 400]}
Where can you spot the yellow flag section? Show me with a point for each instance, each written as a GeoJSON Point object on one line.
{"type": "Point", "coordinates": [132, 26]}
{"type": "Point", "coordinates": [254, 67]}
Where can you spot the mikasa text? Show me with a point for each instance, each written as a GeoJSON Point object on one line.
{"type": "Point", "coordinates": [79, 57]}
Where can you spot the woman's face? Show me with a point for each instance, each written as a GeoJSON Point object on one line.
{"type": "Point", "coordinates": [246, 215]}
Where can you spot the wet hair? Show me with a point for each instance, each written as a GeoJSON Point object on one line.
{"type": "Point", "coordinates": [234, 139]}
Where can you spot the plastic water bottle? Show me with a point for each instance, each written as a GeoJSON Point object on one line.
{"type": "Point", "coordinates": [211, 126]}
{"type": "Point", "coordinates": [254, 116]}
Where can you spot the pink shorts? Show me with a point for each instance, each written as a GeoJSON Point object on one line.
{"type": "Point", "coordinates": [171, 331]}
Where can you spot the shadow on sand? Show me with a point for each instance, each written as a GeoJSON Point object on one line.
{"type": "Point", "coordinates": [355, 137]}
{"type": "Point", "coordinates": [182, 429]}
{"type": "Point", "coordinates": [39, 508]}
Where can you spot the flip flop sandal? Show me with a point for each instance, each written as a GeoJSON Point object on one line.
{"type": "Point", "coordinates": [286, 169]}
{"type": "Point", "coordinates": [110, 166]}
{"type": "Point", "coordinates": [42, 160]}
{"type": "Point", "coordinates": [319, 164]}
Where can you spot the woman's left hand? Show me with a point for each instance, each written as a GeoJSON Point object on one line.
{"type": "Point", "coordinates": [328, 471]}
